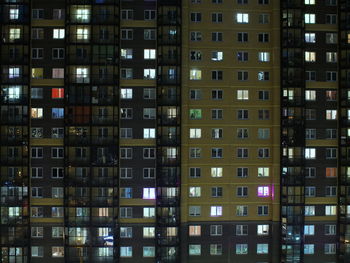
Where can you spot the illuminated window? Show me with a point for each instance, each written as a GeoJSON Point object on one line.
{"type": "Point", "coordinates": [264, 56]}
{"type": "Point", "coordinates": [37, 73]}
{"type": "Point", "coordinates": [242, 94]}
{"type": "Point", "coordinates": [194, 230]}
{"type": "Point", "coordinates": [149, 133]}
{"type": "Point", "coordinates": [14, 72]}
{"type": "Point", "coordinates": [309, 230]}
{"type": "Point", "coordinates": [310, 95]}
{"type": "Point", "coordinates": [82, 33]}
{"type": "Point", "coordinates": [57, 93]}
{"type": "Point", "coordinates": [310, 18]}
{"type": "Point", "coordinates": [331, 38]}
{"type": "Point", "coordinates": [331, 57]}
{"type": "Point", "coordinates": [37, 113]}
{"type": "Point", "coordinates": [194, 191]}
{"type": "Point", "coordinates": [242, 18]}
{"type": "Point", "coordinates": [126, 251]}
{"type": "Point", "coordinates": [331, 172]}
{"type": "Point", "coordinates": [215, 249]}
{"type": "Point", "coordinates": [126, 232]}
{"type": "Point", "coordinates": [58, 33]}
{"type": "Point", "coordinates": [310, 37]}
{"type": "Point", "coordinates": [263, 191]}
{"type": "Point", "coordinates": [57, 113]}
{"type": "Point", "coordinates": [149, 193]}
{"type": "Point", "coordinates": [195, 114]}
{"type": "Point", "coordinates": [309, 249]}
{"type": "Point", "coordinates": [148, 232]}
{"type": "Point", "coordinates": [15, 33]}
{"type": "Point", "coordinates": [149, 212]}
{"type": "Point", "coordinates": [216, 211]}
{"type": "Point", "coordinates": [310, 153]}
{"type": "Point", "coordinates": [149, 73]}
{"type": "Point", "coordinates": [309, 210]}
{"type": "Point", "coordinates": [195, 74]}
{"type": "Point", "coordinates": [194, 250]}
{"type": "Point", "coordinates": [82, 15]}
{"type": "Point", "coordinates": [330, 210]}
{"type": "Point", "coordinates": [149, 251]}
{"type": "Point", "coordinates": [241, 249]}
{"type": "Point", "coordinates": [262, 248]}
{"type": "Point", "coordinates": [14, 13]}
{"type": "Point", "coordinates": [58, 73]}
{"type": "Point", "coordinates": [126, 53]}
{"type": "Point", "coordinates": [57, 252]}
{"type": "Point", "coordinates": [217, 56]}
{"type": "Point", "coordinates": [82, 75]}
{"type": "Point", "coordinates": [331, 114]}
{"type": "Point", "coordinates": [262, 230]}
{"type": "Point", "coordinates": [149, 54]}
{"type": "Point", "coordinates": [195, 133]}
{"type": "Point", "coordinates": [216, 171]}
{"type": "Point", "coordinates": [309, 2]}
{"type": "Point", "coordinates": [263, 171]}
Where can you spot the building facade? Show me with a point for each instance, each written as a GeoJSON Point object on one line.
{"type": "Point", "coordinates": [175, 131]}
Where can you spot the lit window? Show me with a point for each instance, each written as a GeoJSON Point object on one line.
{"type": "Point", "coordinates": [310, 153]}
{"type": "Point", "coordinates": [57, 113]}
{"type": "Point", "coordinates": [310, 56]}
{"type": "Point", "coordinates": [264, 56]}
{"type": "Point", "coordinates": [195, 74]}
{"type": "Point", "coordinates": [242, 94]}
{"type": "Point", "coordinates": [82, 75]}
{"type": "Point", "coordinates": [149, 193]}
{"type": "Point", "coordinates": [58, 73]}
{"type": "Point", "coordinates": [216, 211]}
{"type": "Point", "coordinates": [309, 2]}
{"type": "Point", "coordinates": [309, 230]}
{"type": "Point", "coordinates": [37, 113]}
{"type": "Point", "coordinates": [194, 191]}
{"type": "Point", "coordinates": [310, 95]}
{"type": "Point", "coordinates": [149, 54]}
{"type": "Point", "coordinates": [126, 251]}
{"type": "Point", "coordinates": [195, 114]}
{"type": "Point", "coordinates": [263, 191]}
{"type": "Point", "coordinates": [241, 249]}
{"type": "Point", "coordinates": [57, 93]}
{"type": "Point", "coordinates": [149, 133]}
{"type": "Point", "coordinates": [149, 73]}
{"type": "Point", "coordinates": [242, 18]}
{"type": "Point", "coordinates": [310, 37]}
{"type": "Point", "coordinates": [263, 171]}
{"type": "Point", "coordinates": [82, 33]}
{"type": "Point", "coordinates": [126, 93]}
{"type": "Point", "coordinates": [331, 57]}
{"type": "Point", "coordinates": [195, 133]}
{"type": "Point", "coordinates": [262, 230]}
{"type": "Point", "coordinates": [331, 172]}
{"type": "Point", "coordinates": [148, 212]}
{"type": "Point", "coordinates": [331, 114]}
{"type": "Point", "coordinates": [217, 56]}
{"type": "Point", "coordinates": [14, 13]}
{"type": "Point", "coordinates": [309, 249]}
{"type": "Point", "coordinates": [82, 15]}
{"type": "Point", "coordinates": [15, 33]}
{"type": "Point", "coordinates": [57, 252]}
{"type": "Point", "coordinates": [309, 210]}
{"type": "Point", "coordinates": [148, 232]}
{"type": "Point", "coordinates": [126, 53]}
{"type": "Point", "coordinates": [310, 18]}
{"type": "Point", "coordinates": [194, 250]}
{"type": "Point", "coordinates": [149, 252]}
{"type": "Point", "coordinates": [262, 248]}
{"type": "Point", "coordinates": [14, 72]}
{"type": "Point", "coordinates": [330, 210]}
{"type": "Point", "coordinates": [194, 230]}
{"type": "Point", "coordinates": [58, 33]}
{"type": "Point", "coordinates": [216, 171]}
{"type": "Point", "coordinates": [36, 251]}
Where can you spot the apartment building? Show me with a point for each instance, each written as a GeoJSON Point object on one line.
{"type": "Point", "coordinates": [175, 131]}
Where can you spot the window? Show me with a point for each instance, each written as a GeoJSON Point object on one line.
{"type": "Point", "coordinates": [310, 134]}
{"type": "Point", "coordinates": [125, 192]}
{"type": "Point", "coordinates": [263, 210]}
{"type": "Point", "coordinates": [331, 57]}
{"type": "Point", "coordinates": [37, 152]}
{"type": "Point", "coordinates": [264, 56]}
{"type": "Point", "coordinates": [263, 153]}
{"type": "Point", "coordinates": [148, 232]}
{"type": "Point", "coordinates": [149, 54]}
{"type": "Point", "coordinates": [215, 249]}
{"type": "Point", "coordinates": [242, 133]}
{"type": "Point", "coordinates": [242, 2]}
{"type": "Point", "coordinates": [195, 114]}
{"type": "Point", "coordinates": [194, 230]}
{"type": "Point", "coordinates": [216, 230]}
{"type": "Point", "coordinates": [126, 173]}
{"type": "Point", "coordinates": [57, 113]}
{"type": "Point", "coordinates": [331, 172]}
{"type": "Point", "coordinates": [330, 2]}
{"type": "Point", "coordinates": [194, 211]}
{"type": "Point", "coordinates": [310, 153]}
{"type": "Point", "coordinates": [241, 249]}
{"type": "Point", "coordinates": [149, 34]}
{"type": "Point", "coordinates": [37, 212]}
{"type": "Point", "coordinates": [126, 53]}
{"type": "Point", "coordinates": [309, 230]}
{"type": "Point", "coordinates": [126, 73]}
{"type": "Point", "coordinates": [126, 212]}
{"type": "Point", "coordinates": [126, 153]}
{"type": "Point", "coordinates": [242, 18]}
{"type": "Point", "coordinates": [242, 172]}
{"type": "Point", "coordinates": [127, 14]}
{"type": "Point", "coordinates": [216, 133]}
{"type": "Point", "coordinates": [195, 74]}
{"type": "Point", "coordinates": [149, 193]}
{"type": "Point", "coordinates": [242, 95]}
{"type": "Point", "coordinates": [149, 153]}
{"type": "Point", "coordinates": [216, 114]}
{"type": "Point", "coordinates": [264, 18]}
{"type": "Point", "coordinates": [216, 211]}
{"type": "Point", "coordinates": [217, 94]}
{"type": "Point", "coordinates": [196, 17]}
{"type": "Point", "coordinates": [58, 14]}
{"type": "Point", "coordinates": [36, 132]}
{"type": "Point", "coordinates": [263, 191]}
{"type": "Point", "coordinates": [195, 55]}
{"type": "Point", "coordinates": [309, 210]}
{"type": "Point", "coordinates": [38, 13]}
{"type": "Point", "coordinates": [309, 249]}
{"type": "Point", "coordinates": [149, 73]}
{"type": "Point", "coordinates": [310, 56]}
{"type": "Point", "coordinates": [331, 19]}
{"type": "Point", "coordinates": [57, 211]}
{"type": "Point", "coordinates": [58, 33]}
{"type": "Point", "coordinates": [216, 191]}
{"type": "Point", "coordinates": [37, 192]}
{"type": "Point", "coordinates": [262, 248]}
{"type": "Point", "coordinates": [310, 18]}
{"type": "Point", "coordinates": [263, 114]}
{"type": "Point", "coordinates": [127, 34]}
{"type": "Point", "coordinates": [310, 95]}
{"type": "Point", "coordinates": [195, 133]}
{"type": "Point", "coordinates": [195, 172]}
{"type": "Point", "coordinates": [263, 75]}
{"type": "Point", "coordinates": [126, 113]}
{"type": "Point", "coordinates": [57, 93]}
{"type": "Point", "coordinates": [331, 153]}
{"type": "Point", "coordinates": [217, 55]}
{"type": "Point", "coordinates": [14, 72]}
{"type": "Point", "coordinates": [149, 252]}
{"type": "Point", "coordinates": [194, 191]}
{"type": "Point", "coordinates": [309, 2]}
{"type": "Point", "coordinates": [13, 13]}
{"type": "Point", "coordinates": [330, 248]}
{"type": "Point", "coordinates": [148, 212]}
{"type": "Point", "coordinates": [149, 133]}
{"type": "Point", "coordinates": [242, 37]}
{"type": "Point", "coordinates": [57, 252]}
{"type": "Point", "coordinates": [242, 114]}
{"type": "Point", "coordinates": [195, 36]}
{"type": "Point", "coordinates": [331, 191]}
{"type": "Point", "coordinates": [37, 172]}
{"type": "Point", "coordinates": [310, 114]}
{"type": "Point", "coordinates": [331, 133]}
{"type": "Point", "coordinates": [242, 75]}
{"type": "Point", "coordinates": [216, 153]}
{"type": "Point", "coordinates": [194, 250]}
{"type": "Point", "coordinates": [242, 153]}
{"type": "Point", "coordinates": [310, 37]}
{"type": "Point", "coordinates": [57, 133]}
{"type": "Point", "coordinates": [331, 114]}
{"type": "Point", "coordinates": [57, 192]}
{"type": "Point", "coordinates": [57, 152]}
{"type": "Point", "coordinates": [37, 53]}
{"type": "Point", "coordinates": [242, 56]}
{"type": "Point", "coordinates": [263, 37]}
{"type": "Point", "coordinates": [310, 191]}
{"type": "Point", "coordinates": [150, 14]}
{"type": "Point", "coordinates": [216, 171]}
{"type": "Point", "coordinates": [37, 33]}
{"type": "Point", "coordinates": [330, 230]}
{"type": "Point", "coordinates": [195, 152]}
{"type": "Point", "coordinates": [262, 230]}
{"type": "Point", "coordinates": [241, 210]}
{"type": "Point", "coordinates": [330, 210]}
{"type": "Point", "coordinates": [37, 251]}
{"type": "Point", "coordinates": [331, 38]}
{"type": "Point", "coordinates": [242, 191]}
{"type": "Point", "coordinates": [149, 93]}
{"type": "Point", "coordinates": [57, 232]}
{"type": "Point", "coordinates": [216, 36]}
{"type": "Point", "coordinates": [331, 76]}
{"type": "Point", "coordinates": [126, 251]}
{"type": "Point", "coordinates": [310, 172]}
{"type": "Point", "coordinates": [263, 133]}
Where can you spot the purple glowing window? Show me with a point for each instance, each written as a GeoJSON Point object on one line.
{"type": "Point", "coordinates": [263, 191]}
{"type": "Point", "coordinates": [149, 193]}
